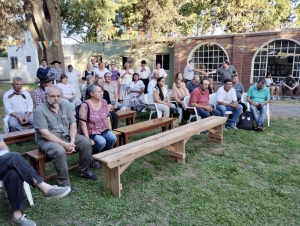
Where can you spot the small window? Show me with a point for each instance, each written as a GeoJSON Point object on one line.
{"type": "Point", "coordinates": [14, 62]}
{"type": "Point", "coordinates": [28, 58]}
{"type": "Point", "coordinates": [164, 60]}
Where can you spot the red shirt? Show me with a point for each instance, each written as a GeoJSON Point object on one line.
{"type": "Point", "coordinates": [199, 97]}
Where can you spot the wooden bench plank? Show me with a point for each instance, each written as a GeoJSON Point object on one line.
{"type": "Point", "coordinates": [128, 115]}
{"type": "Point", "coordinates": [19, 136]}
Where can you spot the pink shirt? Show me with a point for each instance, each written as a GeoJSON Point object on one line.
{"type": "Point", "coordinates": [200, 98]}
{"type": "Point", "coordinates": [98, 119]}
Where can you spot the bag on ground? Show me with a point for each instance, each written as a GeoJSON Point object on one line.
{"type": "Point", "coordinates": [246, 121]}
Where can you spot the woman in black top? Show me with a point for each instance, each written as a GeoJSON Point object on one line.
{"type": "Point", "coordinates": [87, 72]}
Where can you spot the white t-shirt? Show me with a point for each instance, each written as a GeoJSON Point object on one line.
{"type": "Point", "coordinates": [100, 73]}
{"type": "Point", "coordinates": [162, 73]}
{"type": "Point", "coordinates": [227, 97]}
{"type": "Point", "coordinates": [127, 78]}
{"type": "Point", "coordinates": [151, 86]}
{"type": "Point", "coordinates": [67, 89]}
{"type": "Point", "coordinates": [145, 74]}
{"type": "Point", "coordinates": [188, 72]}
{"type": "Point", "coordinates": [73, 76]}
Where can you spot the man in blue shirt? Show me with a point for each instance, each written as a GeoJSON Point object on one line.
{"type": "Point", "coordinates": [42, 70]}
{"type": "Point", "coordinates": [258, 97]}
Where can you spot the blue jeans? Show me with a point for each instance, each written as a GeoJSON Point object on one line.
{"type": "Point", "coordinates": [103, 142]}
{"type": "Point", "coordinates": [262, 113]}
{"type": "Point", "coordinates": [235, 113]}
{"type": "Point", "coordinates": [119, 105]}
{"type": "Point", "coordinates": [204, 114]}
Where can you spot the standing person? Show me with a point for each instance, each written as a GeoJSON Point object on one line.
{"type": "Point", "coordinates": [144, 72]}
{"type": "Point", "coordinates": [289, 83]}
{"type": "Point", "coordinates": [38, 95]}
{"type": "Point", "coordinates": [55, 72]}
{"type": "Point", "coordinates": [43, 70]}
{"type": "Point", "coordinates": [106, 65]}
{"type": "Point", "coordinates": [14, 170]}
{"type": "Point", "coordinates": [100, 71]}
{"type": "Point", "coordinates": [160, 70]}
{"type": "Point", "coordinates": [125, 79]}
{"type": "Point", "coordinates": [258, 97]}
{"type": "Point", "coordinates": [18, 106]}
{"type": "Point", "coordinates": [97, 127]}
{"type": "Point", "coordinates": [272, 86]}
{"type": "Point", "coordinates": [189, 70]}
{"type": "Point", "coordinates": [211, 87]}
{"type": "Point", "coordinates": [73, 75]}
{"type": "Point", "coordinates": [94, 63]}
{"type": "Point", "coordinates": [226, 71]}
{"type": "Point", "coordinates": [87, 72]}
{"type": "Point", "coordinates": [195, 83]}
{"type": "Point", "coordinates": [115, 75]}
{"type": "Point", "coordinates": [56, 135]}
{"type": "Point", "coordinates": [135, 98]}
{"type": "Point", "coordinates": [227, 101]}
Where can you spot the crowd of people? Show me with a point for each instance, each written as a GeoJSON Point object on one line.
{"type": "Point", "coordinates": [104, 91]}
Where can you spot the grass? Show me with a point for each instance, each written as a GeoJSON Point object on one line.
{"type": "Point", "coordinates": [251, 179]}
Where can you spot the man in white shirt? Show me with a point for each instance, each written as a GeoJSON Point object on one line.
{"type": "Point", "coordinates": [144, 73]}
{"type": "Point", "coordinates": [94, 63]}
{"type": "Point", "coordinates": [73, 75]}
{"type": "Point", "coordinates": [189, 70]}
{"type": "Point", "coordinates": [153, 82]}
{"type": "Point", "coordinates": [227, 101]}
{"type": "Point", "coordinates": [18, 106]}
{"type": "Point", "coordinates": [99, 72]}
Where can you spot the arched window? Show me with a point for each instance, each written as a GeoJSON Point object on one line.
{"type": "Point", "coordinates": [208, 58]}
{"type": "Point", "coordinates": [279, 57]}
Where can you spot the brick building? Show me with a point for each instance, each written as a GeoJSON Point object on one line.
{"type": "Point", "coordinates": [252, 54]}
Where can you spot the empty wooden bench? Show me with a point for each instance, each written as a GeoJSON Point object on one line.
{"type": "Point", "coordinates": [38, 159]}
{"type": "Point", "coordinates": [128, 115]}
{"type": "Point", "coordinates": [138, 128]}
{"type": "Point", "coordinates": [115, 161]}
{"type": "Point", "coordinates": [18, 136]}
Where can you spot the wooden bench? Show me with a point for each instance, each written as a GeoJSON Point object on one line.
{"type": "Point", "coordinates": [128, 115]}
{"type": "Point", "coordinates": [115, 161]}
{"type": "Point", "coordinates": [18, 136]}
{"type": "Point", "coordinates": [131, 130]}
{"type": "Point", "coordinates": [38, 159]}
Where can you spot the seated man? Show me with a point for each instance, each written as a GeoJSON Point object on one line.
{"type": "Point", "coordinates": [39, 94]}
{"type": "Point", "coordinates": [56, 135]}
{"type": "Point", "coordinates": [113, 92]}
{"type": "Point", "coordinates": [18, 106]}
{"type": "Point", "coordinates": [289, 83]}
{"type": "Point", "coordinates": [193, 84]}
{"type": "Point", "coordinates": [200, 100]}
{"type": "Point", "coordinates": [153, 82]}
{"type": "Point", "coordinates": [258, 97]}
{"type": "Point", "coordinates": [14, 170]}
{"type": "Point", "coordinates": [227, 101]}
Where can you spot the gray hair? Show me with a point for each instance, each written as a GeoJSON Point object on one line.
{"type": "Point", "coordinates": [126, 64]}
{"type": "Point", "coordinates": [196, 76]}
{"type": "Point", "coordinates": [17, 79]}
{"type": "Point", "coordinates": [89, 77]}
{"type": "Point", "coordinates": [47, 89]}
{"type": "Point", "coordinates": [90, 89]}
{"type": "Point", "coordinates": [107, 73]}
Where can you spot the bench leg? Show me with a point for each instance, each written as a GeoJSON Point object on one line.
{"type": "Point", "coordinates": [111, 179]}
{"type": "Point", "coordinates": [178, 152]}
{"type": "Point", "coordinates": [40, 168]}
{"type": "Point", "coordinates": [217, 136]}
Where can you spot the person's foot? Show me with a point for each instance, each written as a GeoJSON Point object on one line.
{"type": "Point", "coordinates": [57, 192]}
{"type": "Point", "coordinates": [293, 97]}
{"type": "Point", "coordinates": [144, 110]}
{"type": "Point", "coordinates": [232, 126]}
{"type": "Point", "coordinates": [88, 174]}
{"type": "Point", "coordinates": [95, 164]}
{"type": "Point", "coordinates": [259, 128]}
{"type": "Point", "coordinates": [23, 221]}
{"type": "Point", "coordinates": [224, 128]}
{"type": "Point", "coordinates": [274, 98]}
{"type": "Point", "coordinates": [72, 190]}
{"type": "Point", "coordinates": [278, 98]}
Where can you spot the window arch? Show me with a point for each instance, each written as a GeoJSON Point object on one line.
{"type": "Point", "coordinates": [267, 59]}
{"type": "Point", "coordinates": [208, 58]}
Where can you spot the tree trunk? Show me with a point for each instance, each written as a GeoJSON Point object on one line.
{"type": "Point", "coordinates": [44, 22]}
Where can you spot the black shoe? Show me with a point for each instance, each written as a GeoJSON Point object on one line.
{"type": "Point", "coordinates": [205, 132]}
{"type": "Point", "coordinates": [19, 144]}
{"type": "Point", "coordinates": [259, 128]}
{"type": "Point", "coordinates": [88, 174]}
{"type": "Point", "coordinates": [72, 190]}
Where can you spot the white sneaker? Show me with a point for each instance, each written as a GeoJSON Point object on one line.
{"type": "Point", "coordinates": [278, 98]}
{"type": "Point", "coordinates": [274, 98]}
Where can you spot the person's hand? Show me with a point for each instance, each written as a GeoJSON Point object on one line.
{"type": "Point", "coordinates": [290, 88]}
{"type": "Point", "coordinates": [20, 119]}
{"type": "Point", "coordinates": [138, 96]}
{"type": "Point", "coordinates": [207, 108]}
{"type": "Point", "coordinates": [69, 147]}
{"type": "Point", "coordinates": [182, 103]}
{"type": "Point", "coordinates": [116, 106]}
{"type": "Point", "coordinates": [254, 104]}
{"type": "Point", "coordinates": [25, 119]}
{"type": "Point", "coordinates": [92, 142]}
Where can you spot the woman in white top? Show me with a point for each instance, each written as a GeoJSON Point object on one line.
{"type": "Point", "coordinates": [73, 75]}
{"type": "Point", "coordinates": [69, 92]}
{"type": "Point", "coordinates": [99, 72]}
{"type": "Point", "coordinates": [135, 97]}
{"type": "Point", "coordinates": [160, 70]}
{"type": "Point", "coordinates": [272, 86]}
{"type": "Point", "coordinates": [125, 79]}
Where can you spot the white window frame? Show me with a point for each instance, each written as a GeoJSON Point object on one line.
{"type": "Point", "coordinates": [161, 63]}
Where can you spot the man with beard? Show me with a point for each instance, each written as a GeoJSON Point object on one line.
{"type": "Point", "coordinates": [56, 135]}
{"type": "Point", "coordinates": [38, 95]}
{"type": "Point", "coordinates": [258, 96]}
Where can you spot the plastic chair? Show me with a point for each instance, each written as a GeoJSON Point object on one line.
{"type": "Point", "coordinates": [149, 102]}
{"type": "Point", "coordinates": [212, 101]}
{"type": "Point", "coordinates": [169, 96]}
{"type": "Point", "coordinates": [27, 191]}
{"type": "Point", "coordinates": [244, 100]}
{"type": "Point", "coordinates": [186, 105]}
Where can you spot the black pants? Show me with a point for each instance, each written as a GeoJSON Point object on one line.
{"type": "Point", "coordinates": [14, 170]}
{"type": "Point", "coordinates": [114, 118]}
{"type": "Point", "coordinates": [185, 113]}
{"type": "Point", "coordinates": [284, 89]}
{"type": "Point", "coordinates": [146, 82]}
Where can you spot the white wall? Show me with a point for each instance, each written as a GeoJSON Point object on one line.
{"type": "Point", "coordinates": [26, 70]}
{"type": "Point", "coordinates": [4, 68]}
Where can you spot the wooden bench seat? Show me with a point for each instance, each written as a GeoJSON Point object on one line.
{"type": "Point", "coordinates": [18, 136]}
{"type": "Point", "coordinates": [138, 128]}
{"type": "Point", "coordinates": [115, 161]}
{"type": "Point", "coordinates": [128, 115]}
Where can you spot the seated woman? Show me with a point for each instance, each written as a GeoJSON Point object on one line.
{"type": "Point", "coordinates": [178, 94]}
{"type": "Point", "coordinates": [272, 86]}
{"type": "Point", "coordinates": [162, 101]}
{"type": "Point", "coordinates": [180, 77]}
{"type": "Point", "coordinates": [97, 126]}
{"type": "Point", "coordinates": [69, 92]}
{"type": "Point", "coordinates": [211, 87]}
{"type": "Point", "coordinates": [135, 96]}
{"type": "Point", "coordinates": [89, 81]}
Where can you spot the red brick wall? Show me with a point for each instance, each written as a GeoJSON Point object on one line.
{"type": "Point", "coordinates": [241, 60]}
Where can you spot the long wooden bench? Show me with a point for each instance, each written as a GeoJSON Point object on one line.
{"type": "Point", "coordinates": [38, 159]}
{"type": "Point", "coordinates": [138, 128]}
{"type": "Point", "coordinates": [128, 115]}
{"type": "Point", "coordinates": [18, 136]}
{"type": "Point", "coordinates": [115, 161]}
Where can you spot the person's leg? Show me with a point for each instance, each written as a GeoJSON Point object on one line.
{"type": "Point", "coordinates": [221, 109]}
{"type": "Point", "coordinates": [215, 112]}
{"type": "Point", "coordinates": [83, 146]}
{"type": "Point", "coordinates": [30, 121]}
{"type": "Point", "coordinates": [201, 112]}
{"type": "Point", "coordinates": [253, 110]}
{"type": "Point", "coordinates": [272, 88]}
{"type": "Point", "coordinates": [262, 114]}
{"type": "Point", "coordinates": [100, 143]}
{"type": "Point", "coordinates": [235, 114]}
{"type": "Point", "coordinates": [14, 124]}
{"type": "Point", "coordinates": [146, 82]}
{"type": "Point", "coordinates": [277, 91]}
{"type": "Point", "coordinates": [114, 120]}
{"type": "Point", "coordinates": [295, 91]}
{"type": "Point", "coordinates": [165, 109]}
{"type": "Point", "coordinates": [283, 90]}
{"type": "Point", "coordinates": [110, 138]}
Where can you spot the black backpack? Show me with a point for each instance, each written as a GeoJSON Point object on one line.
{"type": "Point", "coordinates": [246, 121]}
{"type": "Point", "coordinates": [77, 109]}
{"type": "Point", "coordinates": [174, 113]}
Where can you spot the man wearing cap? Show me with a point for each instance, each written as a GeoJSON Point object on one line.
{"type": "Point", "coordinates": [39, 94]}
{"type": "Point", "coordinates": [55, 72]}
{"type": "Point", "coordinates": [144, 73]}
{"type": "Point", "coordinates": [43, 70]}
{"type": "Point", "coordinates": [189, 70]}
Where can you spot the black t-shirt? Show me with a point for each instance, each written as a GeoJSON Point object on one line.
{"type": "Point", "coordinates": [289, 81]}
{"type": "Point", "coordinates": [106, 97]}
